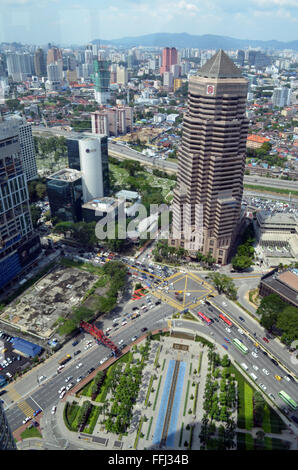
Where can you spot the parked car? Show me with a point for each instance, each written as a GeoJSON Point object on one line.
{"type": "Point", "coordinates": [265, 371]}
{"type": "Point", "coordinates": [265, 339]}
{"type": "Point", "coordinates": [37, 412]}
{"type": "Point", "coordinates": [27, 419]}
{"type": "Point", "coordinates": [77, 352]}
{"type": "Point", "coordinates": [53, 410]}
{"type": "Point", "coordinates": [241, 318]}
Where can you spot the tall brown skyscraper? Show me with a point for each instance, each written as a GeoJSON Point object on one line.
{"type": "Point", "coordinates": [211, 161]}
{"type": "Point", "coordinates": [169, 57]}
{"type": "Point", "coordinates": [39, 63]}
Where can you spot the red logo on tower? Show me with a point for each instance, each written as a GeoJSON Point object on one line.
{"type": "Point", "coordinates": [210, 90]}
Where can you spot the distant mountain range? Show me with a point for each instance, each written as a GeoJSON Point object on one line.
{"type": "Point", "coordinates": [206, 41]}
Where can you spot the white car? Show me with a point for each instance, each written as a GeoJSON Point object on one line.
{"type": "Point", "coordinates": [121, 341]}
{"type": "Point", "coordinates": [228, 330]}
{"type": "Point", "coordinates": [287, 378]}
{"type": "Point", "coordinates": [26, 419]}
{"type": "Point", "coordinates": [62, 394]}
{"type": "Point", "coordinates": [68, 379]}
{"type": "Point", "coordinates": [53, 410]}
{"type": "Point", "coordinates": [124, 323]}
{"type": "Point", "coordinates": [108, 329]}
{"type": "Point", "coordinates": [263, 387]}
{"type": "Point", "coordinates": [133, 338]}
{"type": "Point", "coordinates": [68, 387]}
{"type": "Point", "coordinates": [240, 331]}
{"type": "Point", "coordinates": [79, 365]}
{"type": "Point", "coordinates": [265, 371]}
{"type": "Point", "coordinates": [254, 354]}
{"type": "Point", "coordinates": [41, 378]}
{"type": "Point", "coordinates": [255, 367]}
{"type": "Point", "coordinates": [79, 379]}
{"type": "Point", "coordinates": [62, 389]}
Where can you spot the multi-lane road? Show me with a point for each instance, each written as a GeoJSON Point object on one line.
{"type": "Point", "coordinates": [28, 394]}
{"type": "Point", "coordinates": [122, 151]}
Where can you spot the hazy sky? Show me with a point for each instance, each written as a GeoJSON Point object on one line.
{"type": "Point", "coordinates": [78, 22]}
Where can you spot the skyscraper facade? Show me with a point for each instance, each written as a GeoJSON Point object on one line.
{"type": "Point", "coordinates": [101, 79]}
{"type": "Point", "coordinates": [169, 57]}
{"type": "Point", "coordinates": [7, 441]}
{"type": "Point", "coordinates": [211, 161]}
{"type": "Point", "coordinates": [64, 189]}
{"type": "Point", "coordinates": [281, 97]}
{"type": "Point", "coordinates": [19, 245]}
{"type": "Point", "coordinates": [54, 55]}
{"type": "Point", "coordinates": [27, 146]}
{"type": "Point", "coordinates": [40, 63]}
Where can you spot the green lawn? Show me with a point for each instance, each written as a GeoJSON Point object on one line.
{"type": "Point", "coordinates": [31, 432]}
{"type": "Point", "coordinates": [245, 405]}
{"type": "Point", "coordinates": [248, 395]}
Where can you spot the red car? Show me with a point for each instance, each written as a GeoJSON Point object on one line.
{"type": "Point", "coordinates": [266, 340]}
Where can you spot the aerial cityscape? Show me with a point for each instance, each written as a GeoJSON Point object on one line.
{"type": "Point", "coordinates": [149, 227]}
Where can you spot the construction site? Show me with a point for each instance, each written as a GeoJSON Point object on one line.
{"type": "Point", "coordinates": [38, 309]}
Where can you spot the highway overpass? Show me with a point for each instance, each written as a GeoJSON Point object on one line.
{"type": "Point", "coordinates": [122, 151]}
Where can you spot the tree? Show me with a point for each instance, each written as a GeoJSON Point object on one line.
{"type": "Point", "coordinates": [35, 214]}
{"type": "Point", "coordinates": [287, 321]}
{"type": "Point", "coordinates": [268, 309]}
{"type": "Point", "coordinates": [240, 262]}
{"type": "Point", "coordinates": [224, 284]}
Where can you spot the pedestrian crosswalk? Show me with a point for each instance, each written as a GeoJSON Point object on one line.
{"type": "Point", "coordinates": [13, 395]}
{"type": "Point", "coordinates": [25, 408]}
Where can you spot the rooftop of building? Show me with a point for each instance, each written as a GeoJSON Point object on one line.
{"type": "Point", "coordinates": [66, 174]}
{"type": "Point", "coordinates": [220, 66]}
{"type": "Point", "coordinates": [257, 138]}
{"type": "Point", "coordinates": [278, 218]}
{"type": "Point", "coordinates": [101, 204]}
{"type": "Point", "coordinates": [290, 278]}
{"type": "Point", "coordinates": [125, 194]}
{"type": "Point", "coordinates": [285, 284]}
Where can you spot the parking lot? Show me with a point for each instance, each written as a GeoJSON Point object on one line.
{"type": "Point", "coordinates": [11, 362]}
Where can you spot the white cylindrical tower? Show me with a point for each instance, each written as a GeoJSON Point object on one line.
{"type": "Point", "coordinates": [91, 168]}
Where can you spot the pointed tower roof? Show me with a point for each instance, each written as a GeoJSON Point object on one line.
{"type": "Point", "coordinates": [220, 66]}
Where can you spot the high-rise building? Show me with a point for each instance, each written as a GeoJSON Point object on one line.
{"type": "Point", "coordinates": [211, 160]}
{"type": "Point", "coordinates": [94, 167]}
{"type": "Point", "coordinates": [122, 75]}
{"type": "Point", "coordinates": [168, 81]}
{"type": "Point", "coordinates": [39, 63]}
{"type": "Point", "coordinates": [240, 57]}
{"type": "Point", "coordinates": [112, 121]}
{"type": "Point", "coordinates": [7, 441]}
{"type": "Point", "coordinates": [64, 189]}
{"type": "Point", "coordinates": [101, 79]}
{"type": "Point", "coordinates": [54, 72]}
{"type": "Point", "coordinates": [77, 153]}
{"type": "Point", "coordinates": [169, 57]}
{"type": "Point", "coordinates": [54, 55]}
{"type": "Point", "coordinates": [251, 57]}
{"type": "Point", "coordinates": [19, 245]}
{"type": "Point", "coordinates": [27, 146]}
{"type": "Point", "coordinates": [281, 97]}
{"type": "Point", "coordinates": [20, 65]}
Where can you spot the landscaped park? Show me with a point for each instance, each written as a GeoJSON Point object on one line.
{"type": "Point", "coordinates": [175, 393]}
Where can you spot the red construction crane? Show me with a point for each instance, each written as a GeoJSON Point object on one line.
{"type": "Point", "coordinates": [100, 336]}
